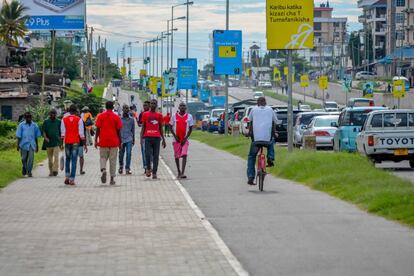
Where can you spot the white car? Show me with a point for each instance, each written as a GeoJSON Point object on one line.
{"type": "Point", "coordinates": [264, 84]}
{"type": "Point", "coordinates": [258, 94]}
{"type": "Point", "coordinates": [365, 75]}
{"type": "Point", "coordinates": [245, 121]}
{"type": "Point", "coordinates": [331, 107]}
{"type": "Point", "coordinates": [305, 107]}
{"type": "Point", "coordinates": [324, 128]}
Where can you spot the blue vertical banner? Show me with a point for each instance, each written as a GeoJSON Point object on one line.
{"type": "Point", "coordinates": [227, 52]}
{"type": "Point", "coordinates": [187, 73]}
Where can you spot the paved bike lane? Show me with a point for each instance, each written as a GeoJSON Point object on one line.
{"type": "Point", "coordinates": [290, 229]}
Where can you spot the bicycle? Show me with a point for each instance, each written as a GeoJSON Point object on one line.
{"type": "Point", "coordinates": [261, 167]}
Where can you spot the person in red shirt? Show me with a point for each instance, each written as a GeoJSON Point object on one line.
{"type": "Point", "coordinates": [72, 132]}
{"type": "Point", "coordinates": [108, 139]}
{"type": "Point", "coordinates": [152, 133]}
{"type": "Point", "coordinates": [145, 107]}
{"type": "Point", "coordinates": [167, 119]}
{"type": "Point", "coordinates": [182, 126]}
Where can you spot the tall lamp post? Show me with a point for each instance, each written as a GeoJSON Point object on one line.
{"type": "Point", "coordinates": [172, 36]}
{"type": "Point", "coordinates": [226, 110]}
{"type": "Point", "coordinates": [130, 63]}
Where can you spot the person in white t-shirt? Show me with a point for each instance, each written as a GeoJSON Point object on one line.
{"type": "Point", "coordinates": [261, 129]}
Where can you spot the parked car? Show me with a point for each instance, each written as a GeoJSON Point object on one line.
{"type": "Point", "coordinates": [237, 118]}
{"type": "Point", "coordinates": [199, 116]}
{"type": "Point", "coordinates": [213, 124]}
{"type": "Point", "coordinates": [281, 126]}
{"type": "Point", "coordinates": [264, 84]}
{"type": "Point", "coordinates": [365, 75]}
{"type": "Point", "coordinates": [302, 121]}
{"type": "Point", "coordinates": [245, 121]}
{"type": "Point", "coordinates": [388, 135]}
{"type": "Point", "coordinates": [204, 122]}
{"type": "Point", "coordinates": [331, 106]}
{"type": "Point", "coordinates": [350, 123]}
{"type": "Point", "coordinates": [305, 108]}
{"type": "Point", "coordinates": [258, 94]}
{"type": "Point", "coordinates": [358, 102]}
{"type": "Point", "coordinates": [324, 128]}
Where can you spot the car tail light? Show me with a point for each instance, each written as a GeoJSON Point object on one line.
{"type": "Point", "coordinates": [371, 141]}
{"type": "Point", "coordinates": [321, 133]}
{"type": "Point", "coordinates": [246, 120]}
{"type": "Point", "coordinates": [371, 103]}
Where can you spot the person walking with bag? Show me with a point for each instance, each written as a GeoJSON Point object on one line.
{"type": "Point", "coordinates": [52, 141]}
{"type": "Point", "coordinates": [87, 119]}
{"type": "Point", "coordinates": [108, 139]}
{"type": "Point", "coordinates": [127, 140]}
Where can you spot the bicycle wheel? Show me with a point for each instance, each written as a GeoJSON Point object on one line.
{"type": "Point", "coordinates": [261, 177]}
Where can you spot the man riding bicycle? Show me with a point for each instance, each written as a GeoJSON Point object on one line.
{"type": "Point", "coordinates": [261, 130]}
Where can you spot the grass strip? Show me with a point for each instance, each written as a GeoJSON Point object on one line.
{"type": "Point", "coordinates": [347, 176]}
{"type": "Point", "coordinates": [284, 98]}
{"type": "Point", "coordinates": [11, 166]}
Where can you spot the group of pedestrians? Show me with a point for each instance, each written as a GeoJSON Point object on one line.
{"type": "Point", "coordinates": [115, 137]}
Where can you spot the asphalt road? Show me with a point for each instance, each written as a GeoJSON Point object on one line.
{"type": "Point", "coordinates": [401, 169]}
{"type": "Point", "coordinates": [290, 229]}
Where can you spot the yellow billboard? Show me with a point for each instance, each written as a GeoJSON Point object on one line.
{"type": "Point", "coordinates": [289, 24]}
{"type": "Point", "coordinates": [304, 81]}
{"type": "Point", "coordinates": [153, 84]}
{"type": "Point", "coordinates": [142, 73]}
{"type": "Point", "coordinates": [399, 88]}
{"type": "Point", "coordinates": [323, 82]}
{"type": "Point", "coordinates": [276, 74]}
{"type": "Point", "coordinates": [123, 71]}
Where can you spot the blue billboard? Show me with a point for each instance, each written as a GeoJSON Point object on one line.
{"type": "Point", "coordinates": [187, 73]}
{"type": "Point", "coordinates": [227, 52]}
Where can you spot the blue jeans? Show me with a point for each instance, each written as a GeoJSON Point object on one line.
{"type": "Point", "coordinates": [144, 161]}
{"type": "Point", "coordinates": [254, 150]}
{"type": "Point", "coordinates": [71, 154]}
{"type": "Point", "coordinates": [126, 147]}
{"type": "Point", "coordinates": [27, 160]}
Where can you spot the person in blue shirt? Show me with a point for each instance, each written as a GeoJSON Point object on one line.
{"type": "Point", "coordinates": [27, 134]}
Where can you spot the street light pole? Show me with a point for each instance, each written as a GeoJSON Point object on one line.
{"type": "Point", "coordinates": [168, 45]}
{"type": "Point", "coordinates": [187, 44]}
{"type": "Point", "coordinates": [130, 65]}
{"type": "Point", "coordinates": [226, 109]}
{"type": "Point", "coordinates": [172, 36]}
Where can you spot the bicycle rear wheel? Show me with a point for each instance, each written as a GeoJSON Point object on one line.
{"type": "Point", "coordinates": [261, 176]}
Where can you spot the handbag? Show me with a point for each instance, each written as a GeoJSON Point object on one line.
{"type": "Point", "coordinates": [88, 122]}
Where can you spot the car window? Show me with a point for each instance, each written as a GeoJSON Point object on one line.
{"type": "Point", "coordinates": [401, 120]}
{"type": "Point", "coordinates": [325, 122]}
{"type": "Point", "coordinates": [341, 118]}
{"type": "Point", "coordinates": [357, 118]}
{"type": "Point", "coordinates": [389, 120]}
{"type": "Point", "coordinates": [411, 119]}
{"type": "Point", "coordinates": [376, 121]}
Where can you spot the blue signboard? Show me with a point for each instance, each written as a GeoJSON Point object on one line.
{"type": "Point", "coordinates": [218, 101]}
{"type": "Point", "coordinates": [227, 52]}
{"type": "Point", "coordinates": [187, 73]}
{"type": "Point", "coordinates": [56, 23]}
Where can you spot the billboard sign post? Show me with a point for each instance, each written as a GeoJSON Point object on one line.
{"type": "Point", "coordinates": [227, 52]}
{"type": "Point", "coordinates": [55, 14]}
{"type": "Point", "coordinates": [187, 73]}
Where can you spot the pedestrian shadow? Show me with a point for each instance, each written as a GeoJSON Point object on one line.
{"type": "Point", "coordinates": [107, 186]}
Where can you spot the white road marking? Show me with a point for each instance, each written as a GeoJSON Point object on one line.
{"type": "Point", "coordinates": [237, 266]}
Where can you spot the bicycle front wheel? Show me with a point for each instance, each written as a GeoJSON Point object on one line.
{"type": "Point", "coordinates": [261, 176]}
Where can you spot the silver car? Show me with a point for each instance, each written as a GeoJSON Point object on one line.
{"type": "Point", "coordinates": [324, 128]}
{"type": "Point", "coordinates": [302, 121]}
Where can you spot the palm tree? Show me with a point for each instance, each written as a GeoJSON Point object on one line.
{"type": "Point", "coordinates": [12, 22]}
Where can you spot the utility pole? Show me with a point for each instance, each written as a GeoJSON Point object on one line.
{"type": "Point", "coordinates": [226, 106]}
{"type": "Point", "coordinates": [43, 77]}
{"type": "Point", "coordinates": [187, 43]}
{"type": "Point", "coordinates": [168, 45]}
{"type": "Point", "coordinates": [105, 62]}
{"type": "Point", "coordinates": [130, 65]}
{"type": "Point", "coordinates": [91, 55]}
{"type": "Point", "coordinates": [154, 73]}
{"type": "Point", "coordinates": [158, 71]}
{"type": "Point", "coordinates": [53, 36]}
{"type": "Point", "coordinates": [290, 102]}
{"type": "Point", "coordinates": [172, 37]}
{"type": "Point", "coordinates": [98, 55]}
{"type": "Point", "coordinates": [86, 70]}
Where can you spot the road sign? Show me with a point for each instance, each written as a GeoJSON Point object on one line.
{"type": "Point", "coordinates": [304, 81]}
{"type": "Point", "coordinates": [248, 71]}
{"type": "Point", "coordinates": [323, 82]}
{"type": "Point", "coordinates": [289, 24]}
{"type": "Point", "coordinates": [187, 73]}
{"type": "Point", "coordinates": [55, 14]}
{"type": "Point", "coordinates": [169, 85]}
{"type": "Point", "coordinates": [399, 88]}
{"type": "Point", "coordinates": [142, 73]}
{"type": "Point", "coordinates": [368, 89]}
{"type": "Point", "coordinates": [123, 71]}
{"type": "Point", "coordinates": [286, 71]}
{"type": "Point", "coordinates": [227, 52]}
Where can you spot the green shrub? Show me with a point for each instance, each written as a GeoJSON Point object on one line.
{"type": "Point", "coordinates": [7, 141]}
{"type": "Point", "coordinates": [6, 127]}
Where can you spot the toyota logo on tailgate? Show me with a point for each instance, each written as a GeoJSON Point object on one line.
{"type": "Point", "coordinates": [58, 6]}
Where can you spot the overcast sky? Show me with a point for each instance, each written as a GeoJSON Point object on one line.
{"type": "Point", "coordinates": [147, 18]}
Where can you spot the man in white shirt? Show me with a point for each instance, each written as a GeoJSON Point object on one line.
{"type": "Point", "coordinates": [262, 120]}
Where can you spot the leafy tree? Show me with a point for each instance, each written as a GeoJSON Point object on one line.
{"type": "Point", "coordinates": [12, 22]}
{"type": "Point", "coordinates": [80, 100]}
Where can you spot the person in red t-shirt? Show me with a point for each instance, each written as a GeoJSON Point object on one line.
{"type": "Point", "coordinates": [182, 125]}
{"type": "Point", "coordinates": [167, 119]}
{"type": "Point", "coordinates": [152, 133]}
{"type": "Point", "coordinates": [145, 107]}
{"type": "Point", "coordinates": [72, 131]}
{"type": "Point", "coordinates": [108, 138]}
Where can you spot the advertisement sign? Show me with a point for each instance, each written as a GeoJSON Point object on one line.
{"type": "Point", "coordinates": [347, 83]}
{"type": "Point", "coordinates": [323, 82]}
{"type": "Point", "coordinates": [285, 71]}
{"type": "Point", "coordinates": [289, 24]}
{"type": "Point", "coordinates": [247, 72]}
{"type": "Point", "coordinates": [276, 74]}
{"type": "Point", "coordinates": [399, 88]}
{"type": "Point", "coordinates": [368, 90]}
{"type": "Point", "coordinates": [55, 14]}
{"type": "Point", "coordinates": [169, 85]}
{"type": "Point", "coordinates": [304, 81]}
{"type": "Point", "coordinates": [142, 73]}
{"type": "Point", "coordinates": [123, 71]}
{"type": "Point", "coordinates": [187, 73]}
{"type": "Point", "coordinates": [155, 85]}
{"type": "Point", "coordinates": [227, 52]}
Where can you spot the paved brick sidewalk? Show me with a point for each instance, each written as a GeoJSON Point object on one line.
{"type": "Point", "coordinates": [138, 227]}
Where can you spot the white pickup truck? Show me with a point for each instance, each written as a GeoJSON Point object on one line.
{"type": "Point", "coordinates": [388, 135]}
